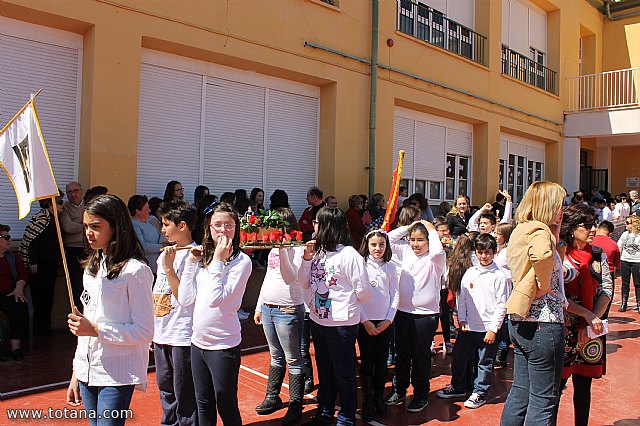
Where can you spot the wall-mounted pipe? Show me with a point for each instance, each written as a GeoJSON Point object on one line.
{"type": "Point", "coordinates": [373, 98]}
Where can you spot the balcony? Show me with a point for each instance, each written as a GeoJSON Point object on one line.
{"type": "Point", "coordinates": [606, 90]}
{"type": "Point", "coordinates": [430, 25]}
{"type": "Point", "coordinates": [525, 69]}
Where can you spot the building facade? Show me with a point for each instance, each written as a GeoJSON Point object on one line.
{"type": "Point", "coordinates": [277, 94]}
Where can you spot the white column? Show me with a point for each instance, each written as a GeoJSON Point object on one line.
{"type": "Point", "coordinates": [571, 165]}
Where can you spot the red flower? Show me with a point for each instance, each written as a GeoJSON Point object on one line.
{"type": "Point", "coordinates": [252, 219]}
{"type": "Point", "coordinates": [243, 237]}
{"type": "Point", "coordinates": [253, 237]}
{"type": "Point", "coordinates": [258, 221]}
{"type": "Point", "coordinates": [265, 238]}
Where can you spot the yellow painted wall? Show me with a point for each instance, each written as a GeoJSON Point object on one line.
{"type": "Point", "coordinates": [268, 37]}
{"type": "Point", "coordinates": [622, 41]}
{"type": "Point", "coordinates": [624, 163]}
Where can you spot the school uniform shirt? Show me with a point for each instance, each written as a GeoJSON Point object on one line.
{"type": "Point", "coordinates": [338, 285]}
{"type": "Point", "coordinates": [123, 310]}
{"type": "Point", "coordinates": [502, 261]}
{"type": "Point", "coordinates": [173, 321]}
{"type": "Point", "coordinates": [280, 286]}
{"type": "Point", "coordinates": [419, 281]}
{"type": "Point", "coordinates": [629, 245]}
{"type": "Point", "coordinates": [483, 293]}
{"type": "Point", "coordinates": [607, 214]}
{"type": "Point", "coordinates": [216, 292]}
{"type": "Point", "coordinates": [383, 277]}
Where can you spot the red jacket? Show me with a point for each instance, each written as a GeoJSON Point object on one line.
{"type": "Point", "coordinates": [610, 248]}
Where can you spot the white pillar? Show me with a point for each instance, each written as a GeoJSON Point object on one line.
{"type": "Point", "coordinates": [571, 165]}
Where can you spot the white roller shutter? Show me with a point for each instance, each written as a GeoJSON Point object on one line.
{"type": "Point", "coordinates": [403, 134]}
{"type": "Point", "coordinates": [505, 21]}
{"type": "Point", "coordinates": [504, 149]}
{"type": "Point", "coordinates": [233, 136]}
{"type": "Point", "coordinates": [535, 154]}
{"type": "Point", "coordinates": [538, 29]}
{"type": "Point", "coordinates": [29, 64]}
{"type": "Point", "coordinates": [517, 149]}
{"type": "Point", "coordinates": [430, 151]}
{"type": "Point", "coordinates": [291, 149]}
{"type": "Point", "coordinates": [462, 11]}
{"type": "Point", "coordinates": [519, 24]}
{"type": "Point", "coordinates": [168, 130]}
{"type": "Point", "coordinates": [439, 5]}
{"type": "Point", "coordinates": [459, 142]}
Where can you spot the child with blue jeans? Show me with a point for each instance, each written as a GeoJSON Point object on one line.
{"type": "Point", "coordinates": [481, 310]}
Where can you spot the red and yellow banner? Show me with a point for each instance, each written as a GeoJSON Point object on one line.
{"type": "Point", "coordinates": [392, 203]}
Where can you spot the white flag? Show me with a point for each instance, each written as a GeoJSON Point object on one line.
{"type": "Point", "coordinates": [24, 157]}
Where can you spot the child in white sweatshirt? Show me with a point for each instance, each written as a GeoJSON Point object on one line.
{"type": "Point", "coordinates": [481, 310]}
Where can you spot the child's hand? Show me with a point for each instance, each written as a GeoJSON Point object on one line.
{"type": "Point", "coordinates": [224, 248]}
{"type": "Point", "coordinates": [464, 326]}
{"type": "Point", "coordinates": [487, 207]}
{"type": "Point", "coordinates": [506, 195]}
{"type": "Point", "coordinates": [428, 225]}
{"type": "Point", "coordinates": [195, 254]}
{"type": "Point", "coordinates": [168, 258]}
{"type": "Point", "coordinates": [309, 250]}
{"type": "Point", "coordinates": [370, 328]}
{"type": "Point", "coordinates": [80, 325]}
{"type": "Point", "coordinates": [490, 337]}
{"type": "Point", "coordinates": [383, 325]}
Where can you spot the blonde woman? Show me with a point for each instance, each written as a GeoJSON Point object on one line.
{"type": "Point", "coordinates": [629, 244]}
{"type": "Point", "coordinates": [536, 306]}
{"type": "Point", "coordinates": [458, 217]}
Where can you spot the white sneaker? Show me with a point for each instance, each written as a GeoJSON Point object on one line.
{"type": "Point", "coordinates": [475, 401]}
{"type": "Point", "coordinates": [448, 347]}
{"type": "Point", "coordinates": [433, 348]}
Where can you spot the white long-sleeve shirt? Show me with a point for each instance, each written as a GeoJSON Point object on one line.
{"type": "Point", "coordinates": [629, 245]}
{"type": "Point", "coordinates": [123, 310]}
{"type": "Point", "coordinates": [482, 298]}
{"type": "Point", "coordinates": [338, 284]}
{"type": "Point", "coordinates": [506, 217]}
{"type": "Point", "coordinates": [607, 214]}
{"type": "Point", "coordinates": [383, 304]}
{"type": "Point", "coordinates": [280, 285]}
{"type": "Point", "coordinates": [216, 292]}
{"type": "Point", "coordinates": [419, 282]}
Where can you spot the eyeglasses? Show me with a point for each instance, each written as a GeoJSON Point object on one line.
{"type": "Point", "coordinates": [6, 237]}
{"type": "Point", "coordinates": [628, 222]}
{"type": "Point", "coordinates": [59, 202]}
{"type": "Point", "coordinates": [314, 222]}
{"type": "Point", "coordinates": [587, 225]}
{"type": "Point", "coordinates": [179, 190]}
{"type": "Point", "coordinates": [218, 226]}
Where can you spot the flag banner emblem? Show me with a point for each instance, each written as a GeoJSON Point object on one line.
{"type": "Point", "coordinates": [392, 203]}
{"type": "Point", "coordinates": [24, 157]}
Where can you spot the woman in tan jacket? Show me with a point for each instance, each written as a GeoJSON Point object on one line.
{"type": "Point", "coordinates": [536, 308]}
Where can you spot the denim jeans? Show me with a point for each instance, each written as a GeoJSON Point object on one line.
{"type": "Point", "coordinates": [106, 405]}
{"type": "Point", "coordinates": [469, 346]}
{"type": "Point", "coordinates": [537, 371]}
{"type": "Point", "coordinates": [414, 334]}
{"type": "Point", "coordinates": [284, 333]}
{"type": "Point", "coordinates": [336, 362]}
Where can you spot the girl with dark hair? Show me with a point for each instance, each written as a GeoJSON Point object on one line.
{"type": "Point", "coordinates": [423, 262]}
{"type": "Point", "coordinates": [198, 230]}
{"type": "Point", "coordinates": [335, 274]}
{"type": "Point", "coordinates": [378, 206]}
{"type": "Point", "coordinates": [256, 199]}
{"type": "Point", "coordinates": [173, 192]}
{"type": "Point", "coordinates": [278, 199]}
{"type": "Point", "coordinates": [589, 290]}
{"type": "Point", "coordinates": [116, 328]}
{"type": "Point", "coordinates": [214, 279]}
{"type": "Point", "coordinates": [198, 193]}
{"type": "Point", "coordinates": [280, 310]}
{"type": "Point", "coordinates": [375, 318]}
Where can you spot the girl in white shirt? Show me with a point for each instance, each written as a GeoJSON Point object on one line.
{"type": "Point", "coordinates": [335, 274]}
{"type": "Point", "coordinates": [423, 262]}
{"type": "Point", "coordinates": [214, 279]}
{"type": "Point", "coordinates": [629, 244]}
{"type": "Point", "coordinates": [280, 310]}
{"type": "Point", "coordinates": [116, 328]}
{"type": "Point", "coordinates": [375, 318]}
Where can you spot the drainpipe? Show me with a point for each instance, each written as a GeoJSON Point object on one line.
{"type": "Point", "coordinates": [373, 96]}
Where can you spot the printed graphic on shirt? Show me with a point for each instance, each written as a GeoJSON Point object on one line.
{"type": "Point", "coordinates": [162, 296]}
{"type": "Point", "coordinates": [274, 260]}
{"type": "Point", "coordinates": [85, 298]}
{"type": "Point", "coordinates": [322, 303]}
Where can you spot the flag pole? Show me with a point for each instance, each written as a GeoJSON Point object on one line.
{"type": "Point", "coordinates": [64, 258]}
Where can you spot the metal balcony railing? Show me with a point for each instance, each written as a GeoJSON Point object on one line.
{"type": "Point", "coordinates": [432, 26]}
{"type": "Point", "coordinates": [605, 90]}
{"type": "Point", "coordinates": [525, 69]}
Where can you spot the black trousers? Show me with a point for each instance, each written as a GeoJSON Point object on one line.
{"type": "Point", "coordinates": [373, 356]}
{"type": "Point", "coordinates": [18, 315]}
{"type": "Point", "coordinates": [73, 256]}
{"type": "Point", "coordinates": [215, 380]}
{"type": "Point", "coordinates": [43, 285]}
{"type": "Point", "coordinates": [414, 334]}
{"type": "Point", "coordinates": [581, 398]}
{"type": "Point", "coordinates": [627, 270]}
{"type": "Point", "coordinates": [445, 315]}
{"type": "Point", "coordinates": [175, 383]}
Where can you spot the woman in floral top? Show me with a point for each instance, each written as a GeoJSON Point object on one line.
{"type": "Point", "coordinates": [589, 289]}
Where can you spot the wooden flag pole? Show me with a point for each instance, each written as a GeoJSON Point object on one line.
{"type": "Point", "coordinates": [64, 258]}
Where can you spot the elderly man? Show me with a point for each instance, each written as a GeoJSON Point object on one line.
{"type": "Point", "coordinates": [635, 202]}
{"type": "Point", "coordinates": [73, 236]}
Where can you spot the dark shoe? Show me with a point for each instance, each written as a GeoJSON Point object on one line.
{"type": "Point", "coordinates": [272, 401]}
{"type": "Point", "coordinates": [366, 386]}
{"type": "Point", "coordinates": [623, 307]}
{"type": "Point", "coordinates": [449, 392]}
{"type": "Point", "coordinates": [380, 408]}
{"type": "Point", "coordinates": [319, 421]}
{"type": "Point", "coordinates": [17, 355]}
{"type": "Point", "coordinates": [296, 391]}
{"type": "Point", "coordinates": [308, 384]}
{"type": "Point", "coordinates": [501, 358]}
{"type": "Point", "coordinates": [395, 399]}
{"type": "Point", "coordinates": [4, 357]}
{"type": "Point", "coordinates": [417, 405]}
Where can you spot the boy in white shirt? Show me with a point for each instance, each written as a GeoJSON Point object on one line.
{"type": "Point", "coordinates": [481, 310]}
{"type": "Point", "coordinates": [173, 321]}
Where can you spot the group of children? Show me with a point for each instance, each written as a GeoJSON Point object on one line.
{"type": "Point", "coordinates": [189, 314]}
